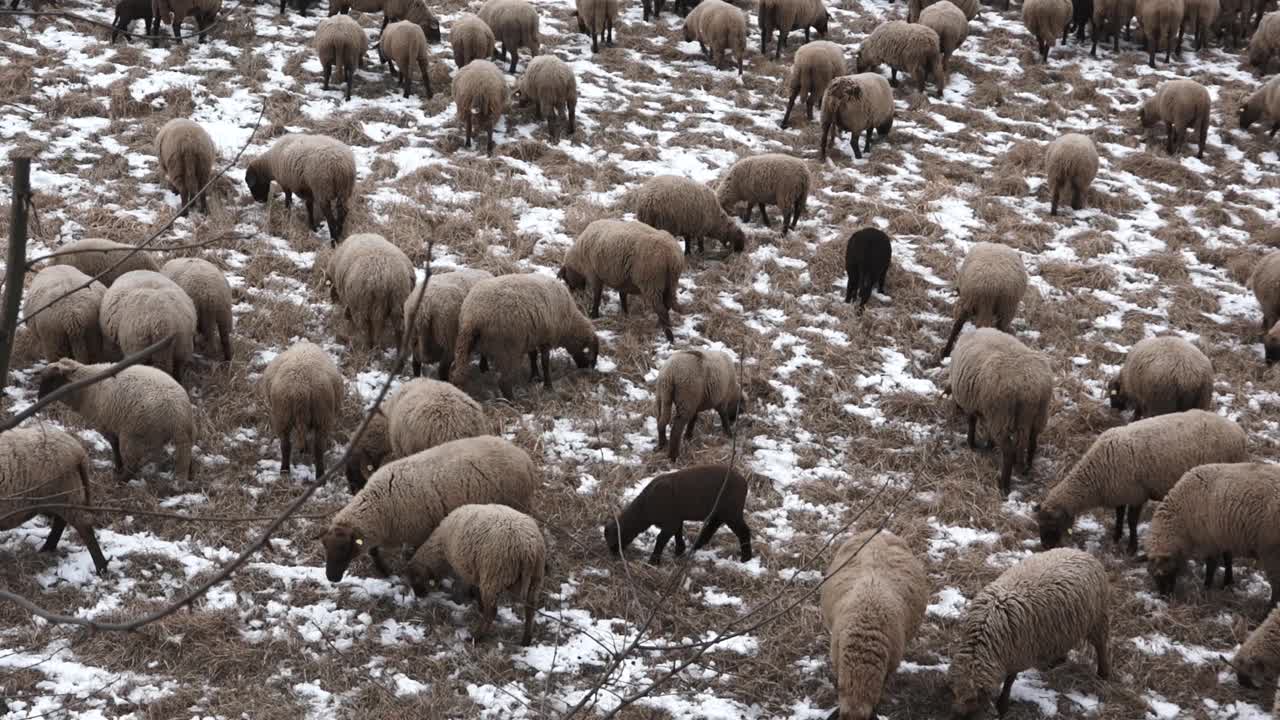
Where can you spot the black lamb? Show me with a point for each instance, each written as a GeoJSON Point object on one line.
{"type": "Point", "coordinates": [866, 259]}
{"type": "Point", "coordinates": [128, 11]}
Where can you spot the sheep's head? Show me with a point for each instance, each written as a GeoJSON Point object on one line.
{"type": "Point", "coordinates": [1116, 395]}
{"type": "Point", "coordinates": [821, 25]}
{"type": "Point", "coordinates": [1247, 668]}
{"type": "Point", "coordinates": [1271, 344]}
{"type": "Point", "coordinates": [1147, 115]}
{"type": "Point", "coordinates": [967, 697]}
{"type": "Point", "coordinates": [574, 279]}
{"type": "Point", "coordinates": [342, 544]}
{"type": "Point", "coordinates": [258, 181]}
{"type": "Point", "coordinates": [735, 237]}
{"type": "Point", "coordinates": [582, 26]}
{"type": "Point", "coordinates": [1250, 111]}
{"type": "Point", "coordinates": [55, 375]}
{"type": "Point", "coordinates": [432, 29]}
{"type": "Point", "coordinates": [612, 539]}
{"type": "Point", "coordinates": [360, 465]}
{"type": "Point", "coordinates": [420, 577]}
{"type": "Point", "coordinates": [860, 63]}
{"type": "Point", "coordinates": [1054, 523]}
{"type": "Point", "coordinates": [851, 709]}
{"type": "Point", "coordinates": [585, 356]}
{"type": "Point", "coordinates": [1164, 570]}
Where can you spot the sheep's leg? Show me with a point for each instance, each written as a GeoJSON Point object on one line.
{"type": "Point", "coordinates": [608, 29]}
{"type": "Point", "coordinates": [1210, 569]}
{"type": "Point", "coordinates": [691, 427]}
{"type": "Point", "coordinates": [533, 365]}
{"type": "Point", "coordinates": [1118, 533]}
{"type": "Point", "coordinates": [1227, 578]}
{"type": "Point", "coordinates": [597, 293]}
{"type": "Point", "coordinates": [348, 74]}
{"type": "Point", "coordinates": [1053, 198]}
{"type": "Point", "coordinates": [883, 275]}
{"type": "Point", "coordinates": [1135, 512]}
{"type": "Point", "coordinates": [677, 433]}
{"type": "Point", "coordinates": [1008, 456]}
{"type": "Point", "coordinates": [85, 531]}
{"type": "Point", "coordinates": [782, 40]}
{"type": "Point", "coordinates": [679, 537]}
{"type": "Point", "coordinates": [973, 431]}
{"type": "Point", "coordinates": [56, 527]}
{"type": "Point", "coordinates": [709, 529]}
{"type": "Point", "coordinates": [545, 352]}
{"type": "Point", "coordinates": [662, 433]}
{"type": "Point", "coordinates": [515, 55]}
{"type": "Point", "coordinates": [1031, 451]}
{"type": "Point", "coordinates": [484, 363]}
{"type": "Point", "coordinates": [664, 319]}
{"type": "Point", "coordinates": [1077, 199]}
{"type": "Point", "coordinates": [725, 423]}
{"type": "Point", "coordinates": [1100, 638]}
{"type": "Point", "coordinates": [468, 126]}
{"type": "Point", "coordinates": [426, 77]}
{"type": "Point", "coordinates": [317, 450]}
{"type": "Point", "coordinates": [850, 285]}
{"type": "Point", "coordinates": [1002, 703]}
{"type": "Point", "coordinates": [855, 139]}
{"type": "Point", "coordinates": [114, 441]}
{"type": "Point", "coordinates": [664, 536]}
{"type": "Point", "coordinates": [489, 132]}
{"type": "Point", "coordinates": [1178, 46]}
{"type": "Point", "coordinates": [1274, 127]}
{"type": "Point", "coordinates": [1151, 50]}
{"type": "Point", "coordinates": [955, 333]}
{"type": "Point", "coordinates": [177, 33]}
{"type": "Point", "coordinates": [764, 215]}
{"type": "Point", "coordinates": [893, 76]}
{"type": "Point", "coordinates": [488, 612]}
{"type": "Point", "coordinates": [1170, 142]}
{"type": "Point", "coordinates": [286, 452]}
{"type": "Point", "coordinates": [791, 103]}
{"type": "Point", "coordinates": [743, 533]}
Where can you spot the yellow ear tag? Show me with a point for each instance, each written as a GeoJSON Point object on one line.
{"type": "Point", "coordinates": [359, 541]}
{"type": "Point", "coordinates": [1068, 533]}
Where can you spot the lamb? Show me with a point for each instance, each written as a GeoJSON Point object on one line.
{"type": "Point", "coordinates": [1263, 104]}
{"type": "Point", "coordinates": [596, 18]}
{"type": "Point", "coordinates": [866, 260]}
{"type": "Point", "coordinates": [1070, 163]}
{"type": "Point", "coordinates": [1081, 15]}
{"type": "Point", "coordinates": [692, 381]}
{"type": "Point", "coordinates": [144, 307]}
{"type": "Point", "coordinates": [186, 154]}
{"type": "Point", "coordinates": [1163, 375]}
{"type": "Point", "coordinates": [997, 378]}
{"type": "Point", "coordinates": [1032, 615]}
{"type": "Point", "coordinates": [340, 40]}
{"type": "Point", "coordinates": [470, 39]}
{"type": "Point", "coordinates": [42, 467]}
{"type": "Point", "coordinates": [1259, 654]}
{"type": "Point", "coordinates": [404, 45]}
{"type": "Point", "coordinates": [1108, 17]}
{"type": "Point", "coordinates": [631, 257]}
{"type": "Point", "coordinates": [784, 16]}
{"type": "Point", "coordinates": [1160, 20]}
{"type": "Point", "coordinates": [104, 260]}
{"type": "Point", "coordinates": [857, 103]}
{"type": "Point", "coordinates": [372, 278]}
{"type": "Point", "coordinates": [1179, 104]}
{"type": "Point", "coordinates": [434, 330]}
{"type": "Point", "coordinates": [1265, 281]}
{"type": "Point", "coordinates": [492, 548]}
{"type": "Point", "coordinates": [1129, 465]}
{"type": "Point", "coordinates": [686, 208]}
{"type": "Point", "coordinates": [718, 27]}
{"type": "Point", "coordinates": [515, 23]}
{"type": "Point", "coordinates": [914, 49]}
{"type": "Point", "coordinates": [1217, 511]}
{"type": "Point", "coordinates": [480, 96]}
{"type": "Point", "coordinates": [129, 11]}
{"type": "Point", "coordinates": [65, 326]}
{"type": "Point", "coordinates": [1265, 44]}
{"type": "Point", "coordinates": [511, 316]}
{"type": "Point", "coordinates": [207, 287]}
{"type": "Point", "coordinates": [1046, 19]}
{"type": "Point", "coordinates": [406, 500]}
{"type": "Point", "coordinates": [1201, 15]}
{"type": "Point", "coordinates": [873, 601]}
{"type": "Point", "coordinates": [771, 178]}
{"type": "Point", "coordinates": [716, 494]}
{"type": "Point", "coordinates": [816, 65]}
{"type": "Point", "coordinates": [303, 391]}
{"type": "Point", "coordinates": [419, 415]}
{"type": "Point", "coordinates": [320, 169]}
{"type": "Point", "coordinates": [204, 11]}
{"type": "Point", "coordinates": [138, 411]}
{"type": "Point", "coordinates": [951, 25]}
{"type": "Point", "coordinates": [548, 84]}
{"type": "Point", "coordinates": [991, 283]}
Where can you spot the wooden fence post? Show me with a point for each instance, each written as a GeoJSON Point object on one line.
{"type": "Point", "coordinates": [16, 264]}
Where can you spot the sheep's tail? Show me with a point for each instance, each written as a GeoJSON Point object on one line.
{"type": "Point", "coordinates": [190, 177]}
{"type": "Point", "coordinates": [83, 468]}
{"type": "Point", "coordinates": [666, 391]}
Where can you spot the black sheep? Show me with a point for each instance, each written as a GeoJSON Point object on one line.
{"type": "Point", "coordinates": [675, 497]}
{"type": "Point", "coordinates": [1081, 15]}
{"type": "Point", "coordinates": [866, 259]}
{"type": "Point", "coordinates": [127, 12]}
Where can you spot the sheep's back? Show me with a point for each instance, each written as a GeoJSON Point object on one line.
{"type": "Point", "coordinates": [303, 389]}
{"type": "Point", "coordinates": [1167, 368]}
{"type": "Point", "coordinates": [816, 64]}
{"type": "Point", "coordinates": [405, 42]}
{"type": "Point", "coordinates": [316, 163]}
{"type": "Point", "coordinates": [596, 13]}
{"type": "Point", "coordinates": [140, 401]}
{"type": "Point", "coordinates": [441, 307]}
{"type": "Point", "coordinates": [771, 178]}
{"type": "Point", "coordinates": [1183, 102]}
{"type": "Point", "coordinates": [549, 79]}
{"type": "Point", "coordinates": [679, 205]}
{"type": "Point", "coordinates": [96, 256]}
{"type": "Point", "coordinates": [1046, 18]}
{"type": "Point", "coordinates": [1220, 507]}
{"type": "Point", "coordinates": [428, 413]}
{"type": "Point", "coordinates": [492, 545]}
{"type": "Point", "coordinates": [1071, 157]}
{"type": "Point", "coordinates": [39, 466]}
{"type": "Point", "coordinates": [180, 142]}
{"type": "Point", "coordinates": [949, 22]}
{"type": "Point", "coordinates": [992, 274]}
{"type": "Point", "coordinates": [77, 311]}
{"type": "Point", "coordinates": [1265, 281]}
{"type": "Point", "coordinates": [479, 86]}
{"type": "Point", "coordinates": [723, 26]}
{"type": "Point", "coordinates": [515, 314]}
{"type": "Point", "coordinates": [885, 557]}
{"type": "Point", "coordinates": [340, 38]}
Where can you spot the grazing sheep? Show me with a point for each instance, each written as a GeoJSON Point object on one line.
{"type": "Point", "coordinates": [1071, 162]}
{"type": "Point", "coordinates": [772, 179]}
{"type": "Point", "coordinates": [1259, 655]}
{"type": "Point", "coordinates": [372, 278]}
{"type": "Point", "coordinates": [1262, 104]}
{"type": "Point", "coordinates": [404, 45]}
{"type": "Point", "coordinates": [204, 11]}
{"type": "Point", "coordinates": [406, 499]}
{"type": "Point", "coordinates": [340, 40]}
{"type": "Point", "coordinates": [1108, 17]}
{"type": "Point", "coordinates": [470, 39]}
{"type": "Point", "coordinates": [434, 330]}
{"type": "Point", "coordinates": [873, 601]}
{"type": "Point", "coordinates": [1129, 465]}
{"type": "Point", "coordinates": [857, 103]}
{"type": "Point", "coordinates": [416, 12]}
{"type": "Point", "coordinates": [144, 307]}
{"type": "Point", "coordinates": [631, 257]}
{"type": "Point", "coordinates": [129, 11]}
{"type": "Point", "coordinates": [686, 208]}
{"type": "Point", "coordinates": [548, 84]}
{"type": "Point", "coordinates": [1265, 44]}
{"type": "Point", "coordinates": [515, 23]}
{"type": "Point", "coordinates": [69, 325]}
{"type": "Point", "coordinates": [1161, 20]}
{"type": "Point", "coordinates": [1033, 615]}
{"type": "Point", "coordinates": [320, 169]}
{"type": "Point", "coordinates": [991, 283]}
{"type": "Point", "coordinates": [718, 27]}
{"type": "Point", "coordinates": [1046, 20]}
{"type": "Point", "coordinates": [951, 25]}
{"type": "Point", "coordinates": [866, 260]}
{"type": "Point", "coordinates": [1265, 281]}
{"type": "Point", "coordinates": [1217, 511]}
{"type": "Point", "coordinates": [104, 260]}
{"type": "Point", "coordinates": [914, 49]}
{"type": "Point", "coordinates": [688, 383]}
{"type": "Point", "coordinates": [41, 467]}
{"type": "Point", "coordinates": [784, 16]}
{"type": "Point", "coordinates": [1163, 375]}
{"type": "Point", "coordinates": [596, 18]}
{"type": "Point", "coordinates": [816, 65]}
{"type": "Point", "coordinates": [716, 494]}
{"type": "Point", "coordinates": [207, 287]}
{"type": "Point", "coordinates": [512, 316]}
{"type": "Point", "coordinates": [492, 548]}
{"type": "Point", "coordinates": [1179, 104]}
{"type": "Point", "coordinates": [303, 391]}
{"type": "Point", "coordinates": [1201, 15]}
{"type": "Point", "coordinates": [480, 97]}
{"type": "Point", "coordinates": [138, 411]}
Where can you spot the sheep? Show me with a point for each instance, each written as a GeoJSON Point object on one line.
{"type": "Point", "coordinates": [1070, 163]}
{"type": "Point", "coordinates": [434, 330]}
{"type": "Point", "coordinates": [372, 278]}
{"type": "Point", "coordinates": [144, 307]}
{"type": "Point", "coordinates": [340, 40]}
{"type": "Point", "coordinates": [1259, 654]}
{"type": "Point", "coordinates": [873, 600]}
{"type": "Point", "coordinates": [480, 96]}
{"type": "Point", "coordinates": [129, 11]}
{"type": "Point", "coordinates": [1265, 44]}
{"type": "Point", "coordinates": [718, 27]}
{"type": "Point", "coordinates": [914, 49]}
{"type": "Point", "coordinates": [320, 169]}
{"type": "Point", "coordinates": [511, 316]}
{"type": "Point", "coordinates": [1179, 104]}
{"type": "Point", "coordinates": [492, 548]}
{"type": "Point", "coordinates": [1162, 375]}
{"type": "Point", "coordinates": [857, 103]}
{"type": "Point", "coordinates": [403, 46]}
{"type": "Point", "coordinates": [1262, 104]}
{"type": "Point", "coordinates": [418, 416]}
{"type": "Point", "coordinates": [1201, 15]}
{"type": "Point", "coordinates": [784, 16]}
{"type": "Point", "coordinates": [42, 467]}
{"type": "Point", "coordinates": [866, 261]}
{"type": "Point", "coordinates": [771, 178]}
{"type": "Point", "coordinates": [104, 260]}
{"type": "Point", "coordinates": [631, 257]}
{"type": "Point", "coordinates": [816, 65]}
{"type": "Point", "coordinates": [1227, 26]}
{"type": "Point", "coordinates": [997, 378]}
{"type": "Point", "coordinates": [515, 23]}
{"type": "Point", "coordinates": [1081, 15]}
{"type": "Point", "coordinates": [416, 12]}
{"type": "Point", "coordinates": [1265, 281]}
{"type": "Point", "coordinates": [686, 208]}
{"type": "Point", "coordinates": [303, 391]}
{"type": "Point", "coordinates": [1108, 17]}
{"type": "Point", "coordinates": [65, 324]}
{"type": "Point", "coordinates": [186, 155]}
{"type": "Point", "coordinates": [716, 494]}
{"type": "Point", "coordinates": [207, 287]}
{"type": "Point", "coordinates": [1046, 19]}
{"type": "Point", "coordinates": [470, 39]}
{"type": "Point", "coordinates": [596, 18]}
{"type": "Point", "coordinates": [1129, 465]}
{"type": "Point", "coordinates": [990, 284]}
{"type": "Point", "coordinates": [1217, 511]}
{"type": "Point", "coordinates": [688, 383]}
{"type": "Point", "coordinates": [951, 25]}
{"type": "Point", "coordinates": [548, 84]}
{"type": "Point", "coordinates": [406, 499]}
{"type": "Point", "coordinates": [1160, 20]}
{"type": "Point", "coordinates": [1032, 615]}
{"type": "Point", "coordinates": [138, 411]}
{"type": "Point", "coordinates": [204, 11]}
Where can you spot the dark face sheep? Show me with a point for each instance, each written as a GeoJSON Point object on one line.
{"type": "Point", "coordinates": [1054, 524]}
{"type": "Point", "coordinates": [360, 466]}
{"type": "Point", "coordinates": [612, 539]}
{"type": "Point", "coordinates": [968, 701]}
{"type": "Point", "coordinates": [341, 546]}
{"type": "Point", "coordinates": [1164, 571]}
{"type": "Point", "coordinates": [1271, 344]}
{"type": "Point", "coordinates": [1116, 395]}
{"type": "Point", "coordinates": [859, 64]}
{"type": "Point", "coordinates": [585, 357]}
{"type": "Point", "coordinates": [574, 279]}
{"type": "Point", "coordinates": [51, 378]}
{"type": "Point", "coordinates": [736, 239]}
{"type": "Point", "coordinates": [1247, 670]}
{"type": "Point", "coordinates": [259, 186]}
{"type": "Point", "coordinates": [1249, 115]}
{"type": "Point", "coordinates": [432, 30]}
